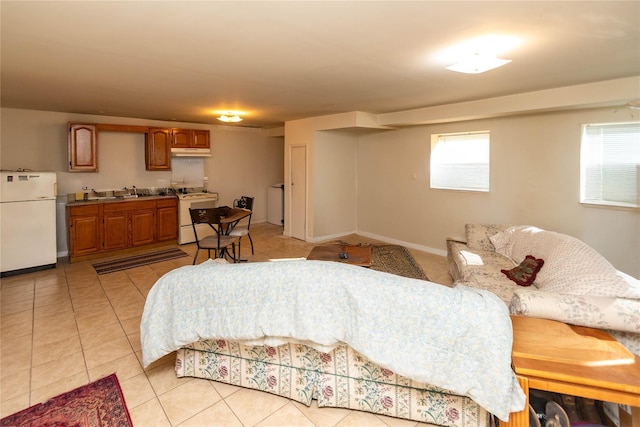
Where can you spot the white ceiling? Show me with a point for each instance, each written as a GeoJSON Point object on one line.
{"type": "Point", "coordinates": [280, 61]}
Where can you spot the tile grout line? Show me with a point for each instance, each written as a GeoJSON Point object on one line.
{"type": "Point", "coordinates": [33, 329]}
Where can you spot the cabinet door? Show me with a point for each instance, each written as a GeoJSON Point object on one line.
{"type": "Point", "coordinates": [82, 148]}
{"type": "Point", "coordinates": [181, 138]}
{"type": "Point", "coordinates": [167, 220]}
{"type": "Point", "coordinates": [116, 230]}
{"type": "Point", "coordinates": [158, 149]}
{"type": "Point", "coordinates": [142, 227]}
{"type": "Point", "coordinates": [84, 235]}
{"type": "Point", "coordinates": [200, 139]}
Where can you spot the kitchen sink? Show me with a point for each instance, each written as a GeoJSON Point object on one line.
{"type": "Point", "coordinates": [102, 198]}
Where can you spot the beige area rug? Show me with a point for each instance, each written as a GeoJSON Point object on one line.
{"type": "Point", "coordinates": [396, 260]}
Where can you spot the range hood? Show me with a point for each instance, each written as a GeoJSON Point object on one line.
{"type": "Point", "coordinates": [191, 152]}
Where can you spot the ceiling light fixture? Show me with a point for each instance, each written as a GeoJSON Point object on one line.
{"type": "Point", "coordinates": [230, 117]}
{"type": "Point", "coordinates": [477, 63]}
{"type": "Point", "coordinates": [479, 54]}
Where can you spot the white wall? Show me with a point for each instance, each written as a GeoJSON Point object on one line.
{"type": "Point", "coordinates": [535, 179]}
{"type": "Point", "coordinates": [316, 133]}
{"type": "Point", "coordinates": [335, 184]}
{"type": "Point", "coordinates": [245, 162]}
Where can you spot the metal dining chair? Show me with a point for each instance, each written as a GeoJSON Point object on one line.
{"type": "Point", "coordinates": [241, 229]}
{"type": "Point", "coordinates": [219, 243]}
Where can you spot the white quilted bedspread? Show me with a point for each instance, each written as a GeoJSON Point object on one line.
{"type": "Point", "coordinates": [456, 338]}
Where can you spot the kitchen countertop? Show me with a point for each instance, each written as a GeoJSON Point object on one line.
{"type": "Point", "coordinates": [117, 199]}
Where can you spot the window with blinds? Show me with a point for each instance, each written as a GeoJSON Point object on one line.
{"type": "Point", "coordinates": [460, 161]}
{"type": "Point", "coordinates": [610, 164]}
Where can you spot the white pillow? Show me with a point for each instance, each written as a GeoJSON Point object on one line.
{"type": "Point", "coordinates": [570, 265]}
{"type": "Point", "coordinates": [618, 285]}
{"type": "Point", "coordinates": [503, 241]}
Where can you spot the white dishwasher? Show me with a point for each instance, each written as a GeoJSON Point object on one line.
{"type": "Point", "coordinates": [275, 204]}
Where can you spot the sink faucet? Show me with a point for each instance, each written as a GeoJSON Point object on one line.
{"type": "Point", "coordinates": [135, 191]}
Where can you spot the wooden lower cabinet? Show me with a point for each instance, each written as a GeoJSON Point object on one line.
{"type": "Point", "coordinates": [167, 220]}
{"type": "Point", "coordinates": [115, 225]}
{"type": "Point", "coordinates": [84, 230]}
{"type": "Point", "coordinates": [105, 227]}
{"type": "Point", "coordinates": [128, 224]}
{"type": "Point", "coordinates": [143, 227]}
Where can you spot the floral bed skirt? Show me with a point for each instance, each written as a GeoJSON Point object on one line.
{"type": "Point", "coordinates": [340, 378]}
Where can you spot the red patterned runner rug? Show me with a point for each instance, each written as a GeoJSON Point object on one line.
{"type": "Point", "coordinates": [98, 404]}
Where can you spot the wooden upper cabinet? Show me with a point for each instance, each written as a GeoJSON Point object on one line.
{"type": "Point", "coordinates": [181, 138]}
{"type": "Point", "coordinates": [190, 138]}
{"type": "Point", "coordinates": [83, 144]}
{"type": "Point", "coordinates": [82, 148]}
{"type": "Point", "coordinates": [200, 138]}
{"type": "Point", "coordinates": [158, 149]}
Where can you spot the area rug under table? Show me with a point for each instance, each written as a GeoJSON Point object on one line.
{"type": "Point", "coordinates": [397, 260]}
{"type": "Point", "coordinates": [97, 404]}
{"type": "Point", "coordinates": [138, 260]}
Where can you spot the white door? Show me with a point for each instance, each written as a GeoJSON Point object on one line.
{"type": "Point", "coordinates": [298, 211]}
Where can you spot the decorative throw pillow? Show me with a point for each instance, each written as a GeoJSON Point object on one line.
{"type": "Point", "coordinates": [525, 273]}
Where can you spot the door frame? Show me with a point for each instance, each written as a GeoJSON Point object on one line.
{"type": "Point", "coordinates": [290, 207]}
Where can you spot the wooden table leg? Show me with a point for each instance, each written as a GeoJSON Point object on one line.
{"type": "Point", "coordinates": [520, 419]}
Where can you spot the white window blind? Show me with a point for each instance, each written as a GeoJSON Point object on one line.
{"type": "Point", "coordinates": [610, 164]}
{"type": "Point", "coordinates": [460, 161]}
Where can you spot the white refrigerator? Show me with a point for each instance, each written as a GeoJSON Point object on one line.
{"type": "Point", "coordinates": [27, 221]}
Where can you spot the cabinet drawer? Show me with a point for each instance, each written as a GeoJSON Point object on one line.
{"type": "Point", "coordinates": [129, 206]}
{"type": "Point", "coordinates": [83, 210]}
{"type": "Point", "coordinates": [167, 203]}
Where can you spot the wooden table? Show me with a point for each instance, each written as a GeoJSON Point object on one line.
{"type": "Point", "coordinates": [579, 361]}
{"type": "Point", "coordinates": [357, 254]}
{"type": "Point", "coordinates": [231, 217]}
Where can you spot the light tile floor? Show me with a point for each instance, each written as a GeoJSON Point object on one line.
{"type": "Point", "coordinates": [64, 327]}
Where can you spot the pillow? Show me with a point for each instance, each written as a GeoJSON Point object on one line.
{"type": "Point", "coordinates": [478, 235]}
{"type": "Point", "coordinates": [618, 285]}
{"type": "Point", "coordinates": [503, 241]}
{"type": "Point", "coordinates": [525, 273]}
{"type": "Point", "coordinates": [572, 266]}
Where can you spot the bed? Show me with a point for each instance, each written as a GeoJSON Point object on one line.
{"type": "Point", "coordinates": [346, 336]}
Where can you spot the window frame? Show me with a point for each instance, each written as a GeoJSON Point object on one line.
{"type": "Point", "coordinates": [584, 154]}
{"type": "Point", "coordinates": [436, 139]}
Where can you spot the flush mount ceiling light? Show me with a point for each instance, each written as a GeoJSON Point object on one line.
{"type": "Point", "coordinates": [477, 63]}
{"type": "Point", "coordinates": [230, 117]}
{"type": "Point", "coordinates": [479, 54]}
